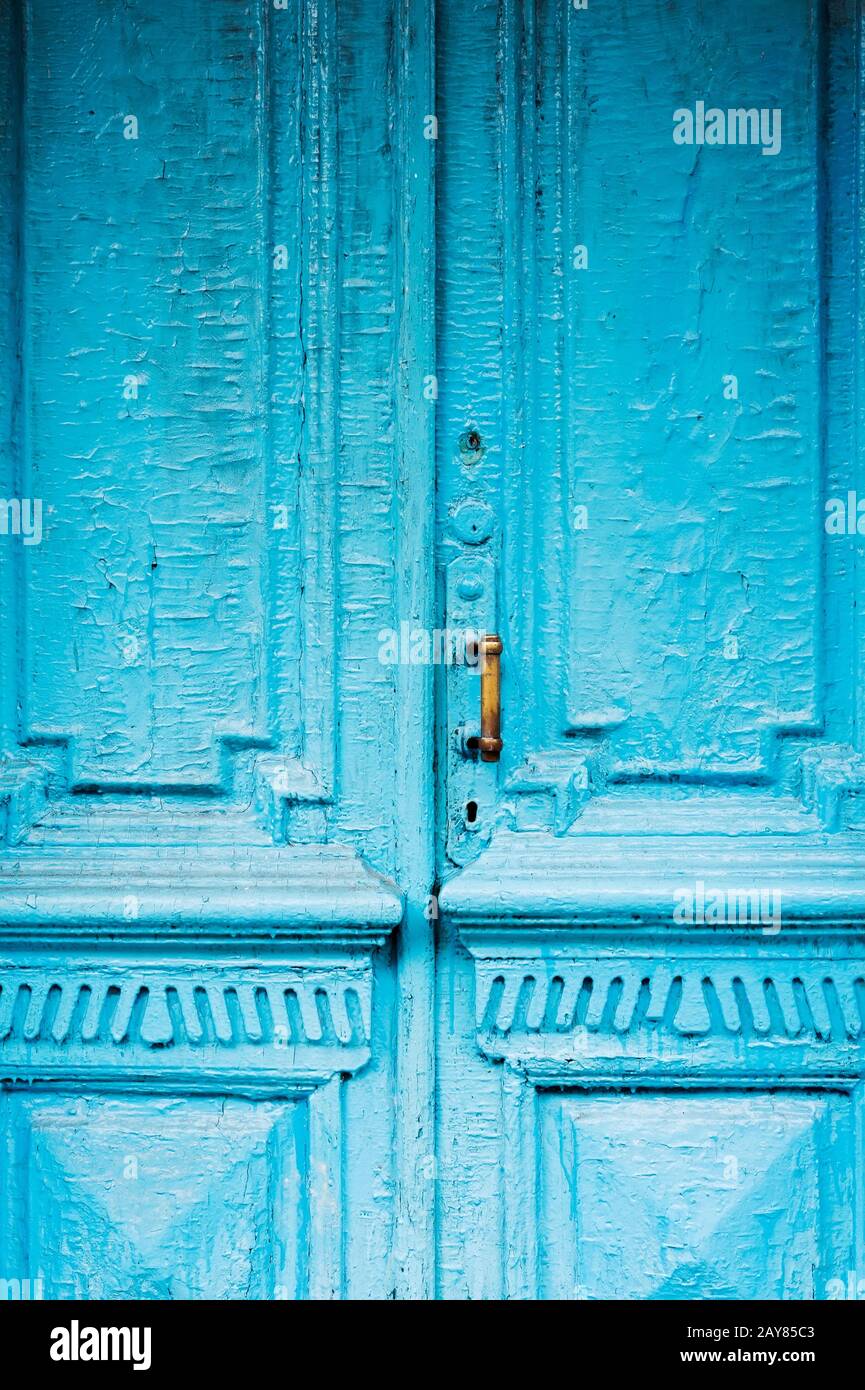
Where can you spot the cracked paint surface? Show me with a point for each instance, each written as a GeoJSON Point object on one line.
{"type": "Point", "coordinates": [244, 1053]}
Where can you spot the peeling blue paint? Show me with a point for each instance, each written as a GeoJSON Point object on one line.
{"type": "Point", "coordinates": [320, 321]}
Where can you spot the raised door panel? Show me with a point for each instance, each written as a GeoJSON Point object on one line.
{"type": "Point", "coordinates": [650, 350]}
{"type": "Point", "coordinates": [175, 1196]}
{"type": "Point", "coordinates": [636, 1113]}
{"type": "Point", "coordinates": [160, 1197]}
{"type": "Point", "coordinates": [203, 253]}
{"type": "Point", "coordinates": [685, 1196]}
{"type": "Point", "coordinates": [197, 1121]}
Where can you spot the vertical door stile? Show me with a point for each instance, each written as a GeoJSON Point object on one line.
{"type": "Point", "coordinates": [414, 805]}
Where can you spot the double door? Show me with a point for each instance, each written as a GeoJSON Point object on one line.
{"type": "Point", "coordinates": [333, 335]}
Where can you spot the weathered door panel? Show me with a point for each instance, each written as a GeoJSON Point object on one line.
{"type": "Point", "coordinates": [652, 915]}
{"type": "Point", "coordinates": [206, 273]}
{"type": "Point", "coordinates": [650, 343]}
{"type": "Point", "coordinates": [699, 1195]}
{"type": "Point", "coordinates": [224, 1209]}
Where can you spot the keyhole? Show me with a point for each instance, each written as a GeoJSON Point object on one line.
{"type": "Point", "coordinates": [471, 812]}
{"type": "Point", "coordinates": [471, 446]}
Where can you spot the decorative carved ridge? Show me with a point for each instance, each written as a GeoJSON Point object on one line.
{"type": "Point", "coordinates": [279, 1019]}
{"type": "Point", "coordinates": [724, 997]}
{"type": "Point", "coordinates": [46, 1008]}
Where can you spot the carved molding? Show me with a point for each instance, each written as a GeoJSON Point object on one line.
{"type": "Point", "coordinates": [290, 1023]}
{"type": "Point", "coordinates": [648, 1008]}
{"type": "Point", "coordinates": [586, 1013]}
{"type": "Point", "coordinates": [297, 1019]}
{"type": "Point", "coordinates": [200, 1007]}
{"type": "Point", "coordinates": [689, 998]}
{"type": "Point", "coordinates": [634, 881]}
{"type": "Point", "coordinates": [206, 964]}
{"type": "Point", "coordinates": [586, 982]}
{"type": "Point", "coordinates": [58, 887]}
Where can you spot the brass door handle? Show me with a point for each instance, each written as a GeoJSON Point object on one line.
{"type": "Point", "coordinates": [489, 659]}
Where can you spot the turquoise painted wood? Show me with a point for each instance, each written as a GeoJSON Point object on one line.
{"type": "Point", "coordinates": [649, 360]}
{"type": "Point", "coordinates": [327, 328]}
{"type": "Point", "coordinates": [207, 840]}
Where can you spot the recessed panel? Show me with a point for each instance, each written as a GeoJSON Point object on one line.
{"type": "Point", "coordinates": [159, 1197]}
{"type": "Point", "coordinates": [691, 386]}
{"type": "Point", "coordinates": [145, 267]}
{"type": "Point", "coordinates": [684, 1196]}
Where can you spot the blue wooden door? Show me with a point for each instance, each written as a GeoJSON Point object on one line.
{"type": "Point", "coordinates": [330, 333]}
{"type": "Point", "coordinates": [209, 208]}
{"type": "Point", "coordinates": [651, 980]}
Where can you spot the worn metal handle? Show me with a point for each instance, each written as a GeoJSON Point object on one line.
{"type": "Point", "coordinates": [489, 658]}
